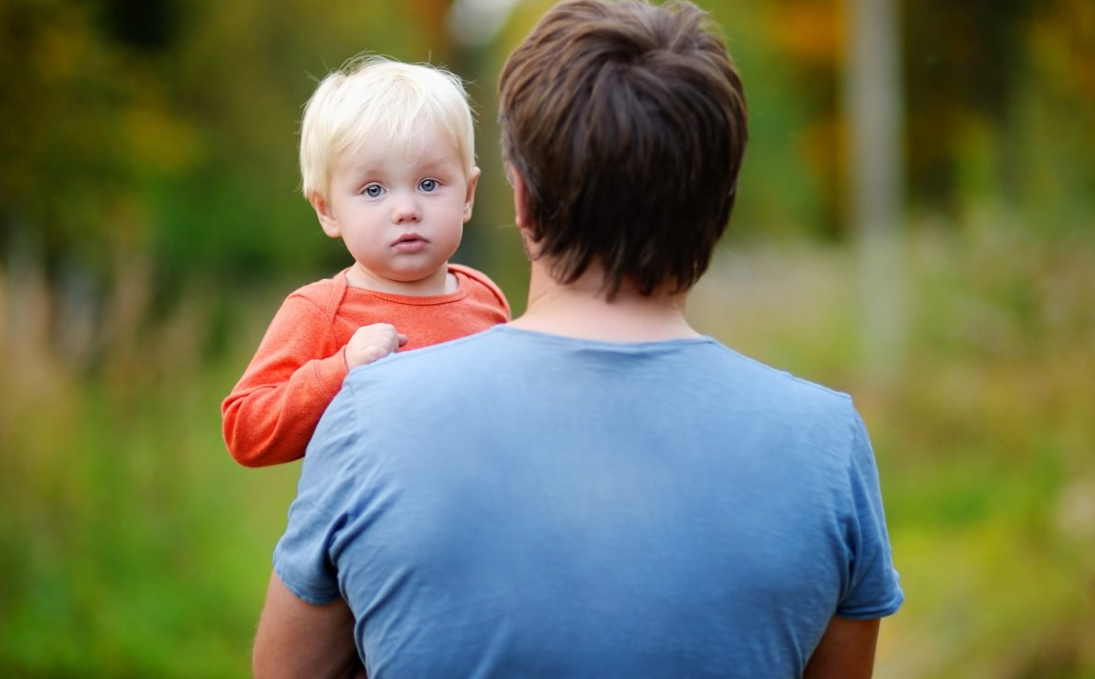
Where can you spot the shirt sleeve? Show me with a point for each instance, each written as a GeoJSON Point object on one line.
{"type": "Point", "coordinates": [273, 410]}
{"type": "Point", "coordinates": [304, 557]}
{"type": "Point", "coordinates": [873, 588]}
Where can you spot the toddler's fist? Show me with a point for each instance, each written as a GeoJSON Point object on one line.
{"type": "Point", "coordinates": [371, 342]}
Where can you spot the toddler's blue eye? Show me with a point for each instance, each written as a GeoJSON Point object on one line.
{"type": "Point", "coordinates": [428, 185]}
{"type": "Point", "coordinates": [373, 190]}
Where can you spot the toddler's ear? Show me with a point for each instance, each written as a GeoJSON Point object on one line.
{"type": "Point", "coordinates": [469, 198]}
{"type": "Point", "coordinates": [326, 216]}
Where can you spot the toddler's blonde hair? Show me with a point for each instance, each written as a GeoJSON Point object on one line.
{"type": "Point", "coordinates": [374, 98]}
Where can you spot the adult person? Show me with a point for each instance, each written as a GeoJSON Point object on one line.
{"type": "Point", "coordinates": [594, 489]}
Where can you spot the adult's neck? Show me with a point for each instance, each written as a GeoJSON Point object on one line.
{"type": "Point", "coordinates": [582, 309]}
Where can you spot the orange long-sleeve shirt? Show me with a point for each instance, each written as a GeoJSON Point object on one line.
{"type": "Point", "coordinates": [272, 412]}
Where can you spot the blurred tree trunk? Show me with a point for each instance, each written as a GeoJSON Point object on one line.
{"type": "Point", "coordinates": [873, 102]}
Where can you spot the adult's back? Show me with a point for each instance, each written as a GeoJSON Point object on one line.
{"type": "Point", "coordinates": [582, 508]}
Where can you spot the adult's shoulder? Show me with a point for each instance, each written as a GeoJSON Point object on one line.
{"type": "Point", "coordinates": [792, 397]}
{"type": "Point", "coordinates": [774, 377]}
{"type": "Point", "coordinates": [451, 355]}
{"type": "Point", "coordinates": [439, 375]}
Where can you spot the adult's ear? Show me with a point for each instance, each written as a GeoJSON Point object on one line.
{"type": "Point", "coordinates": [520, 199]}
{"type": "Point", "coordinates": [325, 215]}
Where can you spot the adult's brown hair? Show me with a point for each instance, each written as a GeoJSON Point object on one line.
{"type": "Point", "coordinates": [627, 123]}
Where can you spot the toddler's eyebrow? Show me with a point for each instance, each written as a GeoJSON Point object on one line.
{"type": "Point", "coordinates": [436, 162]}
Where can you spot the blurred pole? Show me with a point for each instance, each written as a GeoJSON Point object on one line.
{"type": "Point", "coordinates": [475, 27]}
{"type": "Point", "coordinates": [873, 103]}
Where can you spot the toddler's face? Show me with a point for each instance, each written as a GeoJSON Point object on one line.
{"type": "Point", "coordinates": [401, 213]}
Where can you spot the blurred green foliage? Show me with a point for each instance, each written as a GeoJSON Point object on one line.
{"type": "Point", "coordinates": [167, 129]}
{"type": "Point", "coordinates": [150, 224]}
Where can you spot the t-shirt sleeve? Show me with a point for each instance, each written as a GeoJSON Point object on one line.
{"type": "Point", "coordinates": [273, 410]}
{"type": "Point", "coordinates": [873, 588]}
{"type": "Point", "coordinates": [304, 556]}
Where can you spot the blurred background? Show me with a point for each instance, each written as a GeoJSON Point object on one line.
{"type": "Point", "coordinates": [915, 226]}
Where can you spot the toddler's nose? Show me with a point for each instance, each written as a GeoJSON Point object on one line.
{"type": "Point", "coordinates": [406, 210]}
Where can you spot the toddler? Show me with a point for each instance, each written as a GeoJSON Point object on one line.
{"type": "Point", "coordinates": [388, 163]}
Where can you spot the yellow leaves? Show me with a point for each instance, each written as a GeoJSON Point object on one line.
{"type": "Point", "coordinates": [1062, 46]}
{"type": "Point", "coordinates": [811, 31]}
{"type": "Point", "coordinates": [429, 19]}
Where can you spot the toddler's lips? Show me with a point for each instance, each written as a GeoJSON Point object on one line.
{"type": "Point", "coordinates": [410, 243]}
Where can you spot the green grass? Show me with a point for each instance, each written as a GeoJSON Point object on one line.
{"type": "Point", "coordinates": [132, 546]}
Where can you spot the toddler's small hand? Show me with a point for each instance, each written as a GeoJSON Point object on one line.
{"type": "Point", "coordinates": [371, 342]}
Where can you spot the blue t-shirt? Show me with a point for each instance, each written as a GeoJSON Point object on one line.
{"type": "Point", "coordinates": [515, 504]}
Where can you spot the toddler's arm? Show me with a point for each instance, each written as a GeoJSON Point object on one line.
{"type": "Point", "coordinates": [272, 412]}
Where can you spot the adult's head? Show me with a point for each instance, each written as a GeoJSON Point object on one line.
{"type": "Point", "coordinates": [372, 100]}
{"type": "Point", "coordinates": [626, 125]}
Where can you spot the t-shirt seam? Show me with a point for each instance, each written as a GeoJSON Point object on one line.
{"type": "Point", "coordinates": [485, 282]}
{"type": "Point", "coordinates": [870, 613]}
{"type": "Point", "coordinates": [460, 294]}
{"type": "Point", "coordinates": [785, 374]}
{"type": "Point", "coordinates": [651, 346]}
{"type": "Point", "coordinates": [336, 295]}
{"type": "Point", "coordinates": [328, 516]}
{"type": "Point", "coordinates": [297, 590]}
{"type": "Point", "coordinates": [328, 315]}
{"type": "Point", "coordinates": [857, 439]}
{"type": "Point", "coordinates": [484, 335]}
